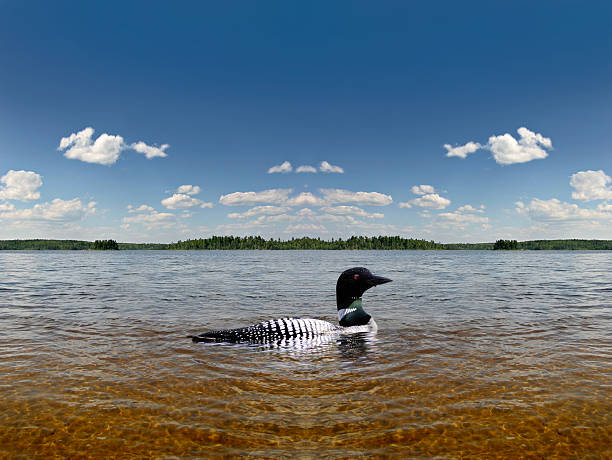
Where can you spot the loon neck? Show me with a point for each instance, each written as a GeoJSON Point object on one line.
{"type": "Point", "coordinates": [353, 315]}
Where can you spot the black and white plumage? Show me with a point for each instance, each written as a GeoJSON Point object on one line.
{"type": "Point", "coordinates": [350, 287]}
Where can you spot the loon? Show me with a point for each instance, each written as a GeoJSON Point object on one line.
{"type": "Point", "coordinates": [351, 285]}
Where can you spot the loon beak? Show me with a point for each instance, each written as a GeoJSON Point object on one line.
{"type": "Point", "coordinates": [376, 280]}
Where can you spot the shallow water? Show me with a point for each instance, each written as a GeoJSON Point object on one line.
{"type": "Point", "coordinates": [478, 354]}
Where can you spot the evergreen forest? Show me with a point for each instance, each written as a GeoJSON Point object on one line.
{"type": "Point", "coordinates": [353, 243]}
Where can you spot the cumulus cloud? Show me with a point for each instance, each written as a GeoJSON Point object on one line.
{"type": "Point", "coordinates": [506, 149]}
{"type": "Point", "coordinates": [57, 210]}
{"type": "Point", "coordinates": [351, 210]}
{"type": "Point", "coordinates": [258, 211]}
{"type": "Point", "coordinates": [182, 201]}
{"type": "Point", "coordinates": [105, 150]}
{"type": "Point", "coordinates": [607, 207]}
{"type": "Point", "coordinates": [306, 169]}
{"type": "Point", "coordinates": [327, 168]}
{"type": "Point", "coordinates": [273, 196]}
{"type": "Point", "coordinates": [422, 189]}
{"type": "Point", "coordinates": [329, 197]}
{"type": "Point", "coordinates": [304, 228]}
{"type": "Point", "coordinates": [330, 218]}
{"type": "Point", "coordinates": [591, 185]}
{"type": "Point", "coordinates": [462, 151]}
{"type": "Point", "coordinates": [20, 185]}
{"type": "Point", "coordinates": [334, 196]}
{"type": "Point", "coordinates": [150, 151]}
{"type": "Point", "coordinates": [283, 168]}
{"type": "Point", "coordinates": [431, 200]}
{"type": "Point", "coordinates": [460, 217]}
{"type": "Point", "coordinates": [150, 218]}
{"type": "Point", "coordinates": [470, 208]}
{"type": "Point", "coordinates": [141, 208]}
{"type": "Point", "coordinates": [306, 199]}
{"type": "Point", "coordinates": [404, 204]}
{"type": "Point", "coordinates": [369, 227]}
{"type": "Point", "coordinates": [189, 189]}
{"type": "Point", "coordinates": [554, 210]}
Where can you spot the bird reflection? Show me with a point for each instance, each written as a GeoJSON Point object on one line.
{"type": "Point", "coordinates": [350, 347]}
{"type": "Point", "coordinates": [355, 346]}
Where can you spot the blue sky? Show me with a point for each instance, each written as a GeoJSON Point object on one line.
{"type": "Point", "coordinates": [451, 121]}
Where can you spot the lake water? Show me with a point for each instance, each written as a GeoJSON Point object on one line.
{"type": "Point", "coordinates": [478, 354]}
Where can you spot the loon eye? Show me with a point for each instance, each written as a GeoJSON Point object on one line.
{"type": "Point", "coordinates": [355, 277]}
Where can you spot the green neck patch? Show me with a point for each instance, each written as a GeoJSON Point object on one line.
{"type": "Point", "coordinates": [353, 315]}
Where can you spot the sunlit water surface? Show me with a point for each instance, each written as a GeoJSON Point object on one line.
{"type": "Point", "coordinates": [478, 354]}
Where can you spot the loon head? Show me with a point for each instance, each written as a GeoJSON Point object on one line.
{"type": "Point", "coordinates": [350, 287]}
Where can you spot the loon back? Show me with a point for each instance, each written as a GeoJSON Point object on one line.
{"type": "Point", "coordinates": [350, 287]}
{"type": "Point", "coordinates": [270, 331]}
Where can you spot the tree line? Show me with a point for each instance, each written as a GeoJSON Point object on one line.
{"type": "Point", "coordinates": [257, 242]}
{"type": "Point", "coordinates": [354, 242]}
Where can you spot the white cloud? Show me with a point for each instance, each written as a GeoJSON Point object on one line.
{"type": "Point", "coordinates": [404, 204]}
{"type": "Point", "coordinates": [506, 150]}
{"type": "Point", "coordinates": [20, 185]}
{"type": "Point", "coordinates": [304, 228]}
{"type": "Point", "coordinates": [422, 189]}
{"type": "Point", "coordinates": [150, 218]}
{"type": "Point", "coordinates": [150, 151]}
{"type": "Point", "coordinates": [431, 200]}
{"type": "Point", "coordinates": [334, 196]}
{"type": "Point", "coordinates": [469, 208]}
{"type": "Point", "coordinates": [330, 218]}
{"type": "Point", "coordinates": [189, 189]}
{"type": "Point", "coordinates": [57, 210]}
{"type": "Point", "coordinates": [327, 168]}
{"type": "Point", "coordinates": [141, 208]}
{"type": "Point", "coordinates": [605, 207]}
{"type": "Point", "coordinates": [280, 218]}
{"type": "Point", "coordinates": [462, 151]}
{"type": "Point", "coordinates": [554, 210]}
{"type": "Point", "coordinates": [274, 196]}
{"type": "Point", "coordinates": [6, 207]}
{"type": "Point", "coordinates": [259, 210]}
{"type": "Point", "coordinates": [306, 199]}
{"type": "Point", "coordinates": [180, 201]}
{"type": "Point", "coordinates": [351, 210]}
{"type": "Point", "coordinates": [461, 218]}
{"type": "Point", "coordinates": [283, 168]}
{"type": "Point", "coordinates": [105, 150]}
{"type": "Point", "coordinates": [306, 213]}
{"type": "Point", "coordinates": [369, 227]}
{"type": "Point", "coordinates": [281, 197]}
{"type": "Point", "coordinates": [206, 204]}
{"type": "Point", "coordinates": [591, 185]}
{"type": "Point", "coordinates": [306, 169]}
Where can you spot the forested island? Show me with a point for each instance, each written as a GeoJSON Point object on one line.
{"type": "Point", "coordinates": [353, 243]}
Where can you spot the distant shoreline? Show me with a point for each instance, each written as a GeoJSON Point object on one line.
{"type": "Point", "coordinates": [353, 243]}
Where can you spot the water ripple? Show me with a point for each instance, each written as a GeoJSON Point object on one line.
{"type": "Point", "coordinates": [479, 354]}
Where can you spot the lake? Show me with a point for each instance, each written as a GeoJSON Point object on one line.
{"type": "Point", "coordinates": [479, 354]}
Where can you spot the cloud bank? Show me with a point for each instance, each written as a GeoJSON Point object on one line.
{"type": "Point", "coordinates": [57, 210]}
